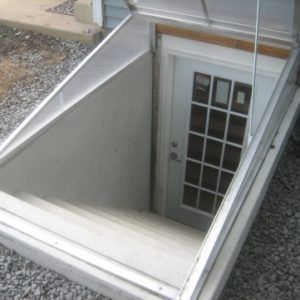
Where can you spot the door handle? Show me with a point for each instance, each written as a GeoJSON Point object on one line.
{"type": "Point", "coordinates": [174, 156]}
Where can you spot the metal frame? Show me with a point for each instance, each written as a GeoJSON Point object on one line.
{"type": "Point", "coordinates": [205, 10]}
{"type": "Point", "coordinates": [251, 108]}
{"type": "Point", "coordinates": [297, 21]}
{"type": "Point", "coordinates": [215, 26]}
{"type": "Point", "coordinates": [224, 263]}
{"type": "Point", "coordinates": [243, 180]}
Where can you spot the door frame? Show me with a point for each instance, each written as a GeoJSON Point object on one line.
{"type": "Point", "coordinates": [98, 12]}
{"type": "Point", "coordinates": [172, 47]}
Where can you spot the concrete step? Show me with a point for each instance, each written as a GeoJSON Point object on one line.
{"type": "Point", "coordinates": [142, 222]}
{"type": "Point", "coordinates": [165, 259]}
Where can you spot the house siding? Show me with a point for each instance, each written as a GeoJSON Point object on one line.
{"type": "Point", "coordinates": [114, 12]}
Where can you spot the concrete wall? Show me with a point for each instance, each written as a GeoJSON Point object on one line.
{"type": "Point", "coordinates": [98, 153]}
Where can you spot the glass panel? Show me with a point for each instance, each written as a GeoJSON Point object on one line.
{"type": "Point", "coordinates": [275, 15]}
{"type": "Point", "coordinates": [236, 129]}
{"type": "Point", "coordinates": [184, 8]}
{"type": "Point", "coordinates": [217, 123]}
{"type": "Point", "coordinates": [128, 44]}
{"type": "Point", "coordinates": [209, 179]}
{"type": "Point", "coordinates": [241, 97]}
{"type": "Point", "coordinates": [190, 196]}
{"type": "Point", "coordinates": [221, 92]}
{"type": "Point", "coordinates": [192, 172]}
{"type": "Point", "coordinates": [213, 152]}
{"type": "Point", "coordinates": [195, 147]}
{"type": "Point", "coordinates": [231, 157]}
{"type": "Point", "coordinates": [198, 118]}
{"type": "Point", "coordinates": [201, 87]}
{"type": "Point", "coordinates": [225, 182]}
{"type": "Point", "coordinates": [206, 202]}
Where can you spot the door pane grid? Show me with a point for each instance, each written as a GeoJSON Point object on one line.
{"type": "Point", "coordinates": [223, 148]}
{"type": "Point", "coordinates": [207, 182]}
{"type": "Point", "coordinates": [197, 210]}
{"type": "Point", "coordinates": [217, 139]}
{"type": "Point", "coordinates": [201, 91]}
{"type": "Point", "coordinates": [214, 130]}
{"type": "Point", "coordinates": [205, 135]}
{"type": "Point", "coordinates": [242, 115]}
{"type": "Point", "coordinates": [210, 191]}
{"type": "Point", "coordinates": [211, 166]}
{"type": "Point", "coordinates": [203, 189]}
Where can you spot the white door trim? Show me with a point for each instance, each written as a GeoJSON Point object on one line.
{"type": "Point", "coordinates": [164, 127]}
{"type": "Point", "coordinates": [174, 46]}
{"type": "Point", "coordinates": [98, 12]}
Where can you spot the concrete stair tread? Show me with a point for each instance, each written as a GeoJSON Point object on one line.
{"type": "Point", "coordinates": [124, 244]}
{"type": "Point", "coordinates": [146, 222]}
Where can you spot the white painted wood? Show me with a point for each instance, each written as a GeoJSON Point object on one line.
{"type": "Point", "coordinates": [163, 134]}
{"type": "Point", "coordinates": [212, 57]}
{"type": "Point", "coordinates": [140, 250]}
{"type": "Point", "coordinates": [98, 12]}
{"type": "Point", "coordinates": [99, 152]}
{"type": "Point", "coordinates": [182, 95]}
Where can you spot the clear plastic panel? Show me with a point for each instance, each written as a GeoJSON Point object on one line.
{"type": "Point", "coordinates": [277, 15]}
{"type": "Point", "coordinates": [188, 8]}
{"type": "Point", "coordinates": [274, 14]}
{"type": "Point", "coordinates": [126, 45]}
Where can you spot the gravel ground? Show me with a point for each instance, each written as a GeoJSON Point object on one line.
{"type": "Point", "coordinates": [269, 263]}
{"type": "Point", "coordinates": [31, 65]}
{"type": "Point", "coordinates": [268, 266]}
{"type": "Point", "coordinates": [65, 8]}
{"type": "Point", "coordinates": [22, 279]}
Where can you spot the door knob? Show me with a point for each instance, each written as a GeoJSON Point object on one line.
{"type": "Point", "coordinates": [174, 156]}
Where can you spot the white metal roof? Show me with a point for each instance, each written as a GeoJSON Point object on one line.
{"type": "Point", "coordinates": [276, 16]}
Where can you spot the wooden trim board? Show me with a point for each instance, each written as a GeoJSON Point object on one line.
{"type": "Point", "coordinates": [223, 41]}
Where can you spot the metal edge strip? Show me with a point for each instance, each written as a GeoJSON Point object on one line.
{"type": "Point", "coordinates": [243, 180]}
{"type": "Point", "coordinates": [230, 250]}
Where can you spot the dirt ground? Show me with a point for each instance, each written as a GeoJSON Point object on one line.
{"type": "Point", "coordinates": [13, 44]}
{"type": "Point", "coordinates": [31, 65]}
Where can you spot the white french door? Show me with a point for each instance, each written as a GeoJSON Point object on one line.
{"type": "Point", "coordinates": [209, 116]}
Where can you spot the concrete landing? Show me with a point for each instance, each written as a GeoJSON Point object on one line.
{"type": "Point", "coordinates": [32, 15]}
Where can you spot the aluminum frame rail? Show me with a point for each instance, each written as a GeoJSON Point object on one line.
{"type": "Point", "coordinates": [245, 176]}
{"type": "Point", "coordinates": [228, 24]}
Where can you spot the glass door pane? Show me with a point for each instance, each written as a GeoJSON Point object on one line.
{"type": "Point", "coordinates": [217, 124]}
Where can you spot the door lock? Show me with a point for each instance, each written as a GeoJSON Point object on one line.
{"type": "Point", "coordinates": [174, 144]}
{"type": "Point", "coordinates": [174, 156]}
